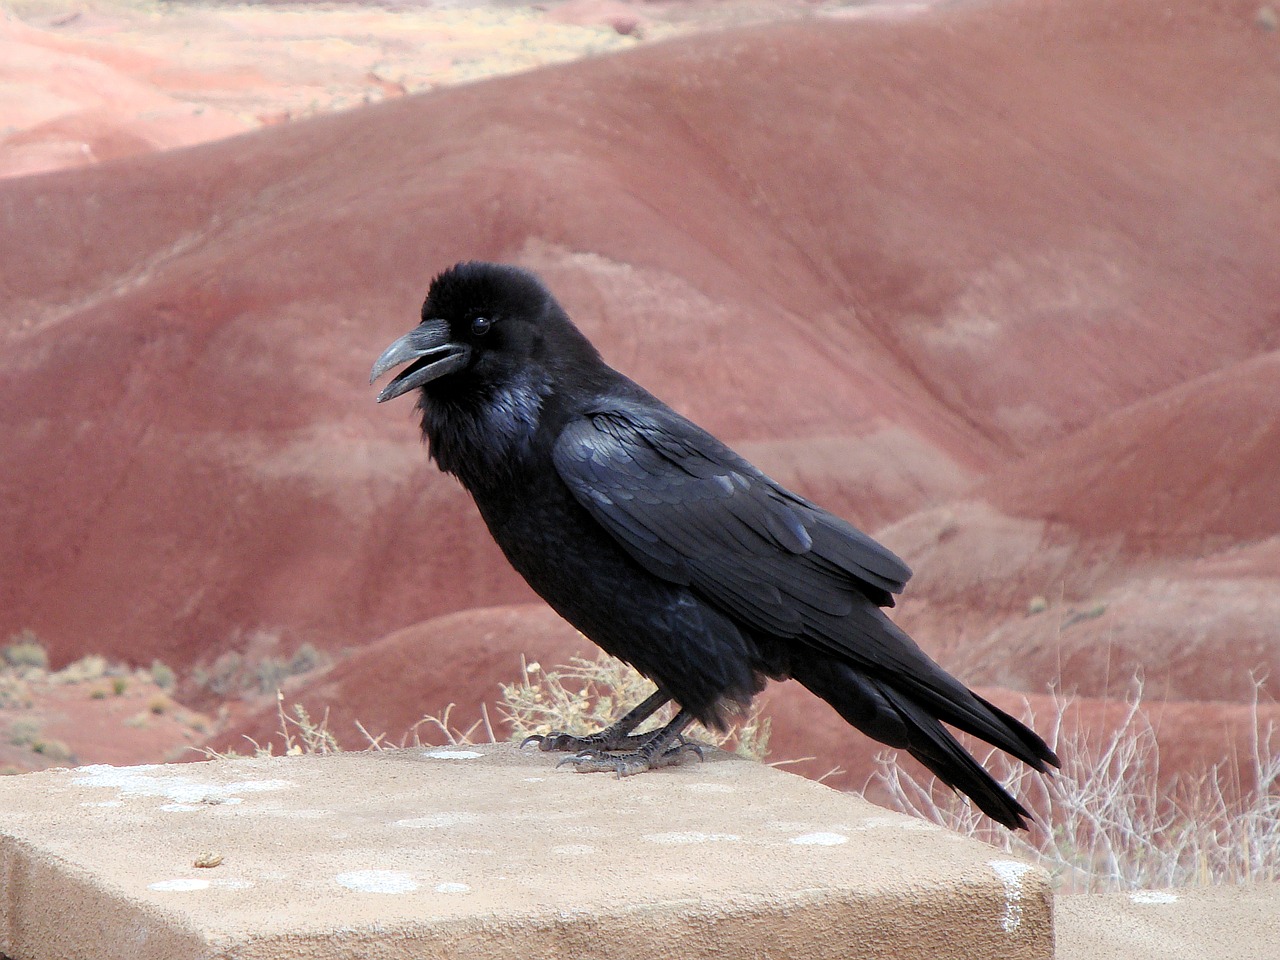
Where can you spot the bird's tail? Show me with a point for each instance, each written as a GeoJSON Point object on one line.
{"type": "Point", "coordinates": [908, 712]}
{"type": "Point", "coordinates": [933, 745]}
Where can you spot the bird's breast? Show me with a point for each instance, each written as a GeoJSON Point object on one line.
{"type": "Point", "coordinates": [487, 437]}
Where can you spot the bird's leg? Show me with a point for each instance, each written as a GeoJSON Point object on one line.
{"type": "Point", "coordinates": [661, 748]}
{"type": "Point", "coordinates": [616, 736]}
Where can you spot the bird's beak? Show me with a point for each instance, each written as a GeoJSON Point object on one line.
{"type": "Point", "coordinates": [431, 353]}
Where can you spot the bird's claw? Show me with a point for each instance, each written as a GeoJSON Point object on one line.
{"type": "Point", "coordinates": [628, 764]}
{"type": "Point", "coordinates": [558, 742]}
{"type": "Point", "coordinates": [603, 742]}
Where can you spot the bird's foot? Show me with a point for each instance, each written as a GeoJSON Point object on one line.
{"type": "Point", "coordinates": [616, 736]}
{"type": "Point", "coordinates": [637, 761]}
{"type": "Point", "coordinates": [601, 742]}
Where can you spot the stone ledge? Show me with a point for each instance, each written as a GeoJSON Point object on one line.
{"type": "Point", "coordinates": [1189, 923]}
{"type": "Point", "coordinates": [490, 852]}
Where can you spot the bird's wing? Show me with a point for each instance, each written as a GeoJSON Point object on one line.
{"type": "Point", "coordinates": [692, 511]}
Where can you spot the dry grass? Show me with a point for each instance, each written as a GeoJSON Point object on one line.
{"type": "Point", "coordinates": [580, 698]}
{"type": "Point", "coordinates": [587, 695]}
{"type": "Point", "coordinates": [299, 734]}
{"type": "Point", "coordinates": [1109, 821]}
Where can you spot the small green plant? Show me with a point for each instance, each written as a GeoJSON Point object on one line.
{"type": "Point", "coordinates": [221, 677]}
{"type": "Point", "coordinates": [119, 685]}
{"type": "Point", "coordinates": [269, 674]}
{"type": "Point", "coordinates": [162, 675]}
{"type": "Point", "coordinates": [1091, 612]}
{"type": "Point", "coordinates": [305, 659]}
{"type": "Point", "coordinates": [54, 750]}
{"type": "Point", "coordinates": [14, 693]}
{"type": "Point", "coordinates": [24, 731]}
{"type": "Point", "coordinates": [159, 704]}
{"type": "Point", "coordinates": [97, 693]}
{"type": "Point", "coordinates": [24, 649]}
{"type": "Point", "coordinates": [233, 674]}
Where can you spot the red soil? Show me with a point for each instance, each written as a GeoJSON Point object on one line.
{"type": "Point", "coordinates": [108, 720]}
{"type": "Point", "coordinates": [451, 664]}
{"type": "Point", "coordinates": [1024, 246]}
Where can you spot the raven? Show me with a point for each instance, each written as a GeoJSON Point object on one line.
{"type": "Point", "coordinates": [666, 548]}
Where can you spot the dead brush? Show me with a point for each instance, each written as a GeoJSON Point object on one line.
{"type": "Point", "coordinates": [587, 695]}
{"type": "Point", "coordinates": [1109, 821]}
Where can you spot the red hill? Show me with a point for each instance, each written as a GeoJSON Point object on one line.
{"type": "Point", "coordinates": [1028, 242]}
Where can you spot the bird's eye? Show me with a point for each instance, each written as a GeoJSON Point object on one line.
{"type": "Point", "coordinates": [480, 326]}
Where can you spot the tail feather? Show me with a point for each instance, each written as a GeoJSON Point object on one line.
{"type": "Point", "coordinates": [934, 746]}
{"type": "Point", "coordinates": [967, 711]}
{"type": "Point", "coordinates": [952, 702]}
{"type": "Point", "coordinates": [908, 712]}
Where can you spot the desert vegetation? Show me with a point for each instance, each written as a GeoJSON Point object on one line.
{"type": "Point", "coordinates": [49, 717]}
{"type": "Point", "coordinates": [1110, 820]}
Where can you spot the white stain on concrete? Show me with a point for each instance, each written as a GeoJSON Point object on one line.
{"type": "Point", "coordinates": [1011, 873]}
{"type": "Point", "coordinates": [103, 803]}
{"type": "Point", "coordinates": [1153, 896]}
{"type": "Point", "coordinates": [692, 837]}
{"type": "Point", "coordinates": [439, 821]}
{"type": "Point", "coordinates": [377, 881]}
{"type": "Point", "coordinates": [534, 779]}
{"type": "Point", "coordinates": [452, 754]}
{"type": "Point", "coordinates": [141, 781]}
{"type": "Point", "coordinates": [452, 888]}
{"type": "Point", "coordinates": [819, 839]}
{"type": "Point", "coordinates": [184, 885]}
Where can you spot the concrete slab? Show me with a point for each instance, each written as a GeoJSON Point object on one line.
{"type": "Point", "coordinates": [489, 852]}
{"type": "Point", "coordinates": [1190, 923]}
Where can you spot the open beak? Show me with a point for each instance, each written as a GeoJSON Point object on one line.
{"type": "Point", "coordinates": [429, 354]}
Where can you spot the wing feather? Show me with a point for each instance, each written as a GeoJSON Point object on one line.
{"type": "Point", "coordinates": [693, 512]}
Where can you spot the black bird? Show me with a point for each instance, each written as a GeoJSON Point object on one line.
{"type": "Point", "coordinates": [666, 548]}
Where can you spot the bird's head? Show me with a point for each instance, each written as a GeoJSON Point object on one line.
{"type": "Point", "coordinates": [483, 325]}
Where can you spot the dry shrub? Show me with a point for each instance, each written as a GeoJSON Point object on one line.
{"type": "Point", "coordinates": [299, 734]}
{"type": "Point", "coordinates": [1109, 821]}
{"type": "Point", "coordinates": [586, 696]}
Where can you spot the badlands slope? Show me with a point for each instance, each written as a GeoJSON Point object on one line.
{"type": "Point", "coordinates": [996, 282]}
